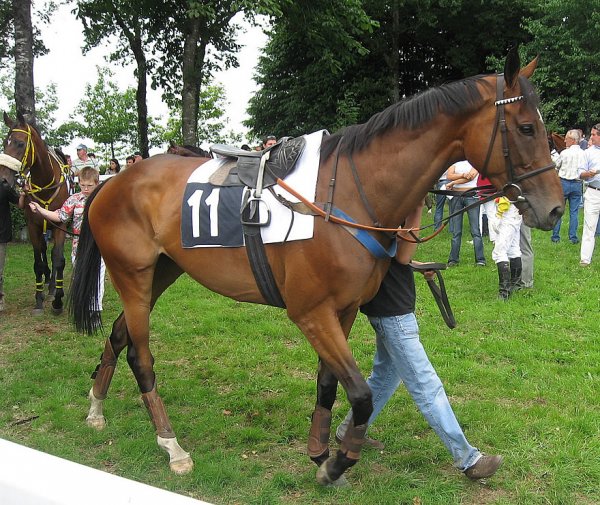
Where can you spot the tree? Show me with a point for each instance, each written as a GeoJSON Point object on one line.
{"type": "Point", "coordinates": [568, 79]}
{"type": "Point", "coordinates": [108, 114]}
{"type": "Point", "coordinates": [128, 19]}
{"type": "Point", "coordinates": [23, 50]}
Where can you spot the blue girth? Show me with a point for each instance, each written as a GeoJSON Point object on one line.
{"type": "Point", "coordinates": [363, 236]}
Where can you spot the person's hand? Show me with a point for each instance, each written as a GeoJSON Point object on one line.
{"type": "Point", "coordinates": [429, 275]}
{"type": "Point", "coordinates": [34, 206]}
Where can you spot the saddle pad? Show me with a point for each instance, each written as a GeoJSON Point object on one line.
{"type": "Point", "coordinates": [210, 215]}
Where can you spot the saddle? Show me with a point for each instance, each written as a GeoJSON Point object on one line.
{"type": "Point", "coordinates": [257, 169]}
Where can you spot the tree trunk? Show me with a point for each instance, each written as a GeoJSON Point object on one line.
{"type": "Point", "coordinates": [24, 87]}
{"type": "Point", "coordinates": [135, 42]}
{"type": "Point", "coordinates": [193, 59]}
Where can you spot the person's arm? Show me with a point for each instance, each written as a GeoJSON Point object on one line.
{"type": "Point", "coordinates": [50, 215]}
{"type": "Point", "coordinates": [406, 250]}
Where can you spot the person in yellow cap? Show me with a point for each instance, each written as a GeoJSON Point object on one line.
{"type": "Point", "coordinates": [507, 252]}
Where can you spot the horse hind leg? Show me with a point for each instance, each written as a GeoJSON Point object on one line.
{"type": "Point", "coordinates": [56, 291]}
{"type": "Point", "coordinates": [320, 429]}
{"type": "Point", "coordinates": [141, 361]}
{"type": "Point", "coordinates": [104, 372]}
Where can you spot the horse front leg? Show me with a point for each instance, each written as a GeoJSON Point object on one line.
{"type": "Point", "coordinates": [327, 334]}
{"type": "Point", "coordinates": [104, 372]}
{"type": "Point", "coordinates": [38, 270]}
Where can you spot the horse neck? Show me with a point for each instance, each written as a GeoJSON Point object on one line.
{"type": "Point", "coordinates": [45, 171]}
{"type": "Point", "coordinates": [402, 166]}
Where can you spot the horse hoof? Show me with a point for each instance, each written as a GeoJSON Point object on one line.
{"type": "Point", "coordinates": [37, 312]}
{"type": "Point", "coordinates": [325, 480]}
{"type": "Point", "coordinates": [49, 297]}
{"type": "Point", "coordinates": [98, 423]}
{"type": "Point", "coordinates": [182, 466]}
{"type": "Point", "coordinates": [57, 312]}
{"type": "Point", "coordinates": [341, 482]}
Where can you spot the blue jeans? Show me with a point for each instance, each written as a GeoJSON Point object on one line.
{"type": "Point", "coordinates": [573, 192]}
{"type": "Point", "coordinates": [438, 216]}
{"type": "Point", "coordinates": [456, 226]}
{"type": "Point", "coordinates": [400, 357]}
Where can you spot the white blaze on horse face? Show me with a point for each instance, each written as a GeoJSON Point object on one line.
{"type": "Point", "coordinates": [540, 115]}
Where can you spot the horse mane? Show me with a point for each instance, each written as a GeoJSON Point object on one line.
{"type": "Point", "coordinates": [454, 98]}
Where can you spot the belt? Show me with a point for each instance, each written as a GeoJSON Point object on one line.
{"type": "Point", "coordinates": [593, 187]}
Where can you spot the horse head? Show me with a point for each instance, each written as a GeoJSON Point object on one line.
{"type": "Point", "coordinates": [517, 158]}
{"type": "Point", "coordinates": [18, 155]}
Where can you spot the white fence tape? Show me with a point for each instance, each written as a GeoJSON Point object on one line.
{"type": "Point", "coordinates": [30, 477]}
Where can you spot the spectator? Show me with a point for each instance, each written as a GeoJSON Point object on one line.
{"type": "Point", "coordinates": [589, 171]}
{"type": "Point", "coordinates": [137, 156]}
{"type": "Point", "coordinates": [567, 164]}
{"type": "Point", "coordinates": [463, 179]}
{"type": "Point", "coordinates": [84, 160]}
{"type": "Point", "coordinates": [130, 160]}
{"type": "Point", "coordinates": [114, 167]}
{"type": "Point", "coordinates": [7, 196]}
{"type": "Point", "coordinates": [269, 141]}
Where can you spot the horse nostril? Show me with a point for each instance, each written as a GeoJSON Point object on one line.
{"type": "Point", "coordinates": [557, 212]}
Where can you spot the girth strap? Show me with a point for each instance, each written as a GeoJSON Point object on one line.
{"type": "Point", "coordinates": [255, 248]}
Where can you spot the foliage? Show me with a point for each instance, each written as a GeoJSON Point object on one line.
{"type": "Point", "coordinates": [108, 114]}
{"type": "Point", "coordinates": [374, 51]}
{"type": "Point", "coordinates": [211, 126]}
{"type": "Point", "coordinates": [46, 107]}
{"type": "Point", "coordinates": [17, 218]}
{"type": "Point", "coordinates": [568, 78]}
{"type": "Point", "coordinates": [238, 381]}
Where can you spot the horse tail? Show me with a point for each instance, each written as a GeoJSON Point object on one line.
{"type": "Point", "coordinates": [84, 291]}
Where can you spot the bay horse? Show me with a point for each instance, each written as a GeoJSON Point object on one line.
{"type": "Point", "coordinates": [380, 170]}
{"type": "Point", "coordinates": [43, 174]}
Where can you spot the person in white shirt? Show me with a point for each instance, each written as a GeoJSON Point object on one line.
{"type": "Point", "coordinates": [568, 164]}
{"type": "Point", "coordinates": [589, 171]}
{"type": "Point", "coordinates": [463, 178]}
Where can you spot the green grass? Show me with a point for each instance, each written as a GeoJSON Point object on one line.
{"type": "Point", "coordinates": [238, 381]}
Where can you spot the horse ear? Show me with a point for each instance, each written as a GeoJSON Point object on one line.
{"type": "Point", "coordinates": [530, 69]}
{"type": "Point", "coordinates": [8, 121]}
{"type": "Point", "coordinates": [512, 67]}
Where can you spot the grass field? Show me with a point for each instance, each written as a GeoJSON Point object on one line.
{"type": "Point", "coordinates": [238, 381]}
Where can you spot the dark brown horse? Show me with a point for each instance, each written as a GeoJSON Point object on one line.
{"type": "Point", "coordinates": [397, 157]}
{"type": "Point", "coordinates": [187, 151]}
{"type": "Point", "coordinates": [43, 173]}
{"type": "Point", "coordinates": [559, 141]}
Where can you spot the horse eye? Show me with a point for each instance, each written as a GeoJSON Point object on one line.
{"type": "Point", "coordinates": [526, 129]}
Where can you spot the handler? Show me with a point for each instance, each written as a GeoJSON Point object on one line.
{"type": "Point", "coordinates": [400, 357]}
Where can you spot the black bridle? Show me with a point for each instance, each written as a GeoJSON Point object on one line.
{"type": "Point", "coordinates": [500, 123]}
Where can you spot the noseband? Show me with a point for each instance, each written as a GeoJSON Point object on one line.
{"type": "Point", "coordinates": [500, 123]}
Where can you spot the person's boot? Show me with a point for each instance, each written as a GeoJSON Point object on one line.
{"type": "Point", "coordinates": [503, 280]}
{"type": "Point", "coordinates": [516, 268]}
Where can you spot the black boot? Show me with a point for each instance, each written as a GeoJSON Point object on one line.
{"type": "Point", "coordinates": [503, 280]}
{"type": "Point", "coordinates": [515, 274]}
